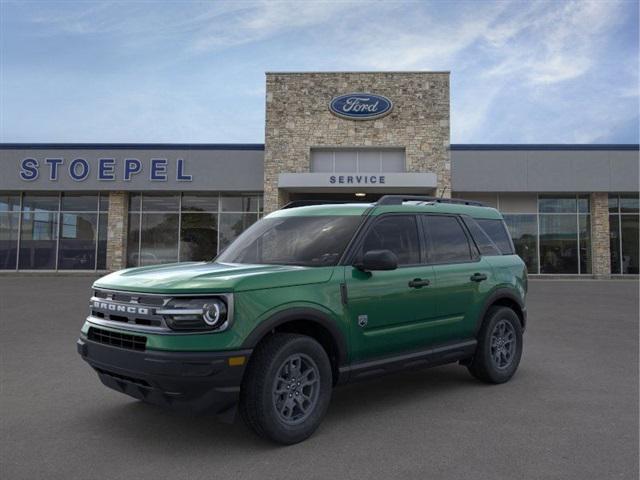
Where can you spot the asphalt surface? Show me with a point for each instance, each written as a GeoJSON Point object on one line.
{"type": "Point", "coordinates": [571, 411]}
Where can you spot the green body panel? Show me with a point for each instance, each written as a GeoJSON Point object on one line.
{"type": "Point", "coordinates": [398, 318]}
{"type": "Point", "coordinates": [459, 299]}
{"type": "Point", "coordinates": [208, 277]}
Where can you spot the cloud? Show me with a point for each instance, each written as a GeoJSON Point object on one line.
{"type": "Point", "coordinates": [521, 71]}
{"type": "Point", "coordinates": [552, 42]}
{"type": "Point", "coordinates": [255, 21]}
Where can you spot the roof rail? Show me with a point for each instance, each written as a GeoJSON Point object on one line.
{"type": "Point", "coordinates": [306, 203]}
{"type": "Point", "coordinates": [400, 199]}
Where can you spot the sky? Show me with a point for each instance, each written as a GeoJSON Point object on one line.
{"type": "Point", "coordinates": [193, 72]}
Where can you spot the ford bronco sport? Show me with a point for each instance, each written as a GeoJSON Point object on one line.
{"type": "Point", "coordinates": [309, 298]}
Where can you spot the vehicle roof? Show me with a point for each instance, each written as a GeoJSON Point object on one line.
{"type": "Point", "coordinates": [374, 209]}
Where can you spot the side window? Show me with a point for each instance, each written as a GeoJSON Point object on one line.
{"type": "Point", "coordinates": [497, 231]}
{"type": "Point", "coordinates": [398, 233]}
{"type": "Point", "coordinates": [447, 242]}
{"type": "Point", "coordinates": [484, 243]}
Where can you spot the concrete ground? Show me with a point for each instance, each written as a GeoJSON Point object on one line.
{"type": "Point", "coordinates": [571, 411]}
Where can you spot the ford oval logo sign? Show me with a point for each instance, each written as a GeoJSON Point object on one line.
{"type": "Point", "coordinates": [360, 106]}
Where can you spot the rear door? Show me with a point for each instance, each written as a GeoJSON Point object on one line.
{"type": "Point", "coordinates": [388, 310]}
{"type": "Point", "coordinates": [462, 276]}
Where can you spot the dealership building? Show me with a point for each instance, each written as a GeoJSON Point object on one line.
{"type": "Point", "coordinates": [331, 136]}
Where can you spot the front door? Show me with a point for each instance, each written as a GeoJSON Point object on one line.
{"type": "Point", "coordinates": [389, 311]}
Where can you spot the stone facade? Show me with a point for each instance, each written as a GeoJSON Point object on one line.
{"type": "Point", "coordinates": [600, 248]}
{"type": "Point", "coordinates": [117, 230]}
{"type": "Point", "coordinates": [298, 119]}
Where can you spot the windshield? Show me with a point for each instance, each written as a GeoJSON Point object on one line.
{"type": "Point", "coordinates": [307, 241]}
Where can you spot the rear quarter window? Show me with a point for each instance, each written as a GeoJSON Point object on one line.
{"type": "Point", "coordinates": [481, 238]}
{"type": "Point", "coordinates": [497, 231]}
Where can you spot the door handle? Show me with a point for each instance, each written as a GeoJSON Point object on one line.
{"type": "Point", "coordinates": [418, 283]}
{"type": "Point", "coordinates": [478, 277]}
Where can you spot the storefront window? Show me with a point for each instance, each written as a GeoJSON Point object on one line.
{"type": "Point", "coordinates": [629, 204]}
{"type": "Point", "coordinates": [133, 238]}
{"type": "Point", "coordinates": [558, 244]}
{"type": "Point", "coordinates": [9, 202]}
{"type": "Point", "coordinates": [154, 202]}
{"type": "Point", "coordinates": [9, 222]}
{"type": "Point", "coordinates": [232, 225]}
{"type": "Point", "coordinates": [9, 226]}
{"type": "Point", "coordinates": [49, 231]}
{"type": "Point", "coordinates": [200, 202]}
{"type": "Point", "coordinates": [38, 238]}
{"type": "Point", "coordinates": [78, 245]}
{"type": "Point", "coordinates": [524, 231]}
{"type": "Point", "coordinates": [198, 236]}
{"type": "Point", "coordinates": [103, 225]}
{"type": "Point", "coordinates": [245, 203]}
{"type": "Point", "coordinates": [584, 235]}
{"type": "Point", "coordinates": [39, 231]}
{"type": "Point", "coordinates": [78, 234]}
{"type": "Point", "coordinates": [623, 233]}
{"type": "Point", "coordinates": [565, 234]}
{"type": "Point", "coordinates": [563, 204]}
{"type": "Point", "coordinates": [187, 227]}
{"type": "Point", "coordinates": [159, 238]}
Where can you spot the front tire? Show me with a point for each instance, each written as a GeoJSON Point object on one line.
{"type": "Point", "coordinates": [287, 388]}
{"type": "Point", "coordinates": [499, 346]}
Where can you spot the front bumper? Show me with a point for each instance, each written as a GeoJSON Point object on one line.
{"type": "Point", "coordinates": [192, 382]}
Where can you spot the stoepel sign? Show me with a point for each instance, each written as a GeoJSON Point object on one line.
{"type": "Point", "coordinates": [106, 169]}
{"type": "Point", "coordinates": [360, 106]}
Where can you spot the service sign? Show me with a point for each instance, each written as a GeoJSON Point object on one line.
{"type": "Point", "coordinates": [360, 106]}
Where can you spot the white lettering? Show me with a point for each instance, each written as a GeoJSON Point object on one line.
{"type": "Point", "coordinates": [356, 105]}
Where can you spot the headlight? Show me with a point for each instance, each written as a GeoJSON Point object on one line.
{"type": "Point", "coordinates": [196, 314]}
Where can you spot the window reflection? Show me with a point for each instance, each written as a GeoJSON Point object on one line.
{"type": "Point", "coordinates": [78, 235]}
{"type": "Point", "coordinates": [558, 244]}
{"type": "Point", "coordinates": [38, 238]}
{"type": "Point", "coordinates": [557, 204]}
{"type": "Point", "coordinates": [624, 240]}
{"type": "Point", "coordinates": [8, 240]}
{"type": "Point", "coordinates": [232, 225]}
{"type": "Point", "coordinates": [198, 236]}
{"type": "Point", "coordinates": [630, 243]}
{"type": "Point", "coordinates": [584, 223]}
{"type": "Point", "coordinates": [195, 227]}
{"type": "Point", "coordinates": [524, 232]}
{"type": "Point", "coordinates": [9, 202]}
{"type": "Point", "coordinates": [159, 238]}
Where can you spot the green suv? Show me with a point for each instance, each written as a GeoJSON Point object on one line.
{"type": "Point", "coordinates": [309, 298]}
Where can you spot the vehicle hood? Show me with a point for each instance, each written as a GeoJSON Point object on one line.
{"type": "Point", "coordinates": [205, 277]}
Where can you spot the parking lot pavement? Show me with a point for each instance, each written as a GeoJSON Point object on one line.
{"type": "Point", "coordinates": [571, 411]}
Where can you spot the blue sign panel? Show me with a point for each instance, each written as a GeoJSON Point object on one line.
{"type": "Point", "coordinates": [360, 106]}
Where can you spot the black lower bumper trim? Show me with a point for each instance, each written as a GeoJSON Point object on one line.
{"type": "Point", "coordinates": [193, 382]}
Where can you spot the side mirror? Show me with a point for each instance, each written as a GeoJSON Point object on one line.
{"type": "Point", "coordinates": [378, 260]}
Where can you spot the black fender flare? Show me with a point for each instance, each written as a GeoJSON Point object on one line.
{"type": "Point", "coordinates": [300, 313]}
{"type": "Point", "coordinates": [499, 294]}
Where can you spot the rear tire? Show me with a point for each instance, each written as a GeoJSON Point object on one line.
{"type": "Point", "coordinates": [287, 388]}
{"type": "Point", "coordinates": [499, 346]}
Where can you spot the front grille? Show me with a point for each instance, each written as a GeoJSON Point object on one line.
{"type": "Point", "coordinates": [117, 339]}
{"type": "Point", "coordinates": [130, 297]}
{"type": "Point", "coordinates": [128, 308]}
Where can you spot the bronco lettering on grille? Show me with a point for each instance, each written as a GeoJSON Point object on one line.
{"type": "Point", "coordinates": [114, 307]}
